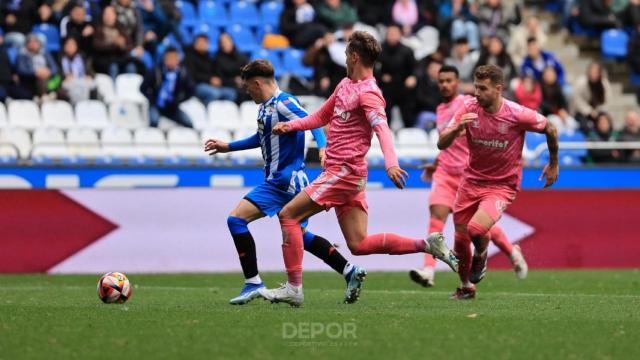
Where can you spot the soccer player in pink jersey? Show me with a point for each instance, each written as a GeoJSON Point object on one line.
{"type": "Point", "coordinates": [353, 112]}
{"type": "Point", "coordinates": [495, 129]}
{"type": "Point", "coordinates": [445, 175]}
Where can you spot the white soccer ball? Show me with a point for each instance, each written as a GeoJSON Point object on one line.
{"type": "Point", "coordinates": [114, 288]}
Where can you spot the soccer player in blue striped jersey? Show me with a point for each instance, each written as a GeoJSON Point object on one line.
{"type": "Point", "coordinates": [284, 178]}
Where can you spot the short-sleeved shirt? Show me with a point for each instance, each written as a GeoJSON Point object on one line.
{"type": "Point", "coordinates": [453, 160]}
{"type": "Point", "coordinates": [496, 140]}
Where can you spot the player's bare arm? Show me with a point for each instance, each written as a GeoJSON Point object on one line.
{"type": "Point", "coordinates": [213, 146]}
{"type": "Point", "coordinates": [449, 135]}
{"type": "Point", "coordinates": [551, 170]}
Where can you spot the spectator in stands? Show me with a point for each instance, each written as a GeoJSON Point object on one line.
{"type": "Point", "coordinates": [228, 61]}
{"type": "Point", "coordinates": [396, 77]}
{"type": "Point", "coordinates": [428, 96]}
{"type": "Point", "coordinates": [517, 46]}
{"type": "Point", "coordinates": [37, 70]}
{"type": "Point", "coordinates": [630, 15]}
{"type": "Point", "coordinates": [537, 60]}
{"type": "Point", "coordinates": [159, 18]}
{"type": "Point", "coordinates": [45, 15]}
{"type": "Point", "coordinates": [528, 92]}
{"type": "Point", "coordinates": [405, 14]}
{"type": "Point", "coordinates": [464, 22]}
{"type": "Point", "coordinates": [201, 68]}
{"type": "Point", "coordinates": [130, 20]}
{"type": "Point", "coordinates": [495, 17]}
{"type": "Point", "coordinates": [590, 96]}
{"type": "Point", "coordinates": [6, 77]}
{"type": "Point", "coordinates": [334, 14]}
{"type": "Point", "coordinates": [326, 73]}
{"type": "Point", "coordinates": [297, 23]}
{"type": "Point", "coordinates": [554, 104]}
{"type": "Point", "coordinates": [17, 18]}
{"type": "Point", "coordinates": [631, 132]}
{"type": "Point", "coordinates": [167, 86]}
{"type": "Point", "coordinates": [111, 46]}
{"type": "Point", "coordinates": [495, 54]}
{"type": "Point", "coordinates": [465, 61]}
{"type": "Point", "coordinates": [78, 82]}
{"type": "Point", "coordinates": [77, 26]}
{"type": "Point", "coordinates": [597, 14]}
{"type": "Point", "coordinates": [603, 131]}
{"type": "Point", "coordinates": [373, 12]}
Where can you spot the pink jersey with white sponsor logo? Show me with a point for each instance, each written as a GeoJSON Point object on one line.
{"type": "Point", "coordinates": [354, 111]}
{"type": "Point", "coordinates": [455, 158]}
{"type": "Point", "coordinates": [496, 140]}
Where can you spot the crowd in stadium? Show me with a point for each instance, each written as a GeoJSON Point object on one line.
{"type": "Point", "coordinates": [51, 49]}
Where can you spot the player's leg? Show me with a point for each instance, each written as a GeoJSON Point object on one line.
{"type": "Point", "coordinates": [426, 275]}
{"type": "Point", "coordinates": [291, 216]}
{"type": "Point", "coordinates": [465, 207]}
{"type": "Point", "coordinates": [237, 222]}
{"type": "Point", "coordinates": [353, 220]}
{"type": "Point", "coordinates": [499, 238]}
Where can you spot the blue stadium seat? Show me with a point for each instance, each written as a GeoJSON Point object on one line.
{"type": "Point", "coordinates": [213, 13]}
{"type": "Point", "coordinates": [243, 38]}
{"type": "Point", "coordinates": [51, 33]}
{"type": "Point", "coordinates": [270, 12]}
{"type": "Point", "coordinates": [272, 56]}
{"type": "Point", "coordinates": [576, 29]}
{"type": "Point", "coordinates": [266, 29]}
{"type": "Point", "coordinates": [293, 63]}
{"type": "Point", "coordinates": [188, 12]}
{"type": "Point", "coordinates": [186, 30]}
{"type": "Point", "coordinates": [12, 54]}
{"type": "Point", "coordinates": [614, 44]}
{"type": "Point", "coordinates": [635, 79]}
{"type": "Point", "coordinates": [244, 13]}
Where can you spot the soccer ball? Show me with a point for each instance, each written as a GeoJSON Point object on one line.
{"type": "Point", "coordinates": [114, 287]}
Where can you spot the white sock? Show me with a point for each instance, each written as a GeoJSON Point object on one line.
{"type": "Point", "coordinates": [254, 280]}
{"type": "Point", "coordinates": [466, 285]}
{"type": "Point", "coordinates": [347, 269]}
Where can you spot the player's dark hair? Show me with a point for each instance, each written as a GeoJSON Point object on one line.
{"type": "Point", "coordinates": [366, 46]}
{"type": "Point", "coordinates": [449, 69]}
{"type": "Point", "coordinates": [260, 67]}
{"type": "Point", "coordinates": [490, 72]}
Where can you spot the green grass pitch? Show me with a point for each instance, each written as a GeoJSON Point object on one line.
{"type": "Point", "coordinates": [551, 315]}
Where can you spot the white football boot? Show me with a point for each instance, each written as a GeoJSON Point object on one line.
{"type": "Point", "coordinates": [286, 293]}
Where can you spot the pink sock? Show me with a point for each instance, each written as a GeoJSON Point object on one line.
{"type": "Point", "coordinates": [292, 250]}
{"type": "Point", "coordinates": [435, 225]}
{"type": "Point", "coordinates": [462, 247]}
{"type": "Point", "coordinates": [500, 239]}
{"type": "Point", "coordinates": [388, 243]}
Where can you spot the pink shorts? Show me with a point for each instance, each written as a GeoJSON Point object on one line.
{"type": "Point", "coordinates": [490, 197]}
{"type": "Point", "coordinates": [337, 187]}
{"type": "Point", "coordinates": [444, 188]}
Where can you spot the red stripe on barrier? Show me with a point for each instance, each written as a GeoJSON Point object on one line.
{"type": "Point", "coordinates": [40, 228]}
{"type": "Point", "coordinates": [578, 229]}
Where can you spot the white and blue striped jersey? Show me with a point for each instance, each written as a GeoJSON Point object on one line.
{"type": "Point", "coordinates": [283, 154]}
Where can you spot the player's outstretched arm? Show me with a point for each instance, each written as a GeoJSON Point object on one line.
{"type": "Point", "coordinates": [318, 119]}
{"type": "Point", "coordinates": [551, 170]}
{"type": "Point", "coordinates": [454, 130]}
{"type": "Point", "coordinates": [213, 146]}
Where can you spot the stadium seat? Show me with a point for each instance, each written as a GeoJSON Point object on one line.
{"type": "Point", "coordinates": [18, 138]}
{"type": "Point", "coordinates": [92, 114]}
{"type": "Point", "coordinates": [49, 145]}
{"type": "Point", "coordinates": [24, 113]}
{"type": "Point", "coordinates": [224, 114]}
{"type": "Point", "coordinates": [213, 13]}
{"type": "Point", "coordinates": [249, 113]}
{"type": "Point", "coordinates": [117, 143]}
{"type": "Point", "coordinates": [106, 88]}
{"type": "Point", "coordinates": [614, 44]}
{"type": "Point", "coordinates": [126, 114]}
{"type": "Point", "coordinates": [412, 137]}
{"type": "Point", "coordinates": [3, 116]}
{"type": "Point", "coordinates": [244, 13]}
{"type": "Point", "coordinates": [272, 56]}
{"type": "Point", "coordinates": [243, 38]}
{"type": "Point", "coordinates": [311, 103]}
{"type": "Point", "coordinates": [196, 110]}
{"type": "Point", "coordinates": [185, 143]}
{"type": "Point", "coordinates": [270, 12]}
{"type": "Point", "coordinates": [187, 12]}
{"type": "Point", "coordinates": [51, 33]}
{"type": "Point", "coordinates": [8, 154]}
{"type": "Point", "coordinates": [128, 88]}
{"type": "Point", "coordinates": [12, 54]}
{"type": "Point", "coordinates": [532, 140]}
{"type": "Point", "coordinates": [83, 143]}
{"type": "Point", "coordinates": [151, 143]}
{"type": "Point", "coordinates": [293, 63]}
{"type": "Point", "coordinates": [57, 114]}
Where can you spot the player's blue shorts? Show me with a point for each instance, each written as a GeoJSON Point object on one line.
{"type": "Point", "coordinates": [270, 200]}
